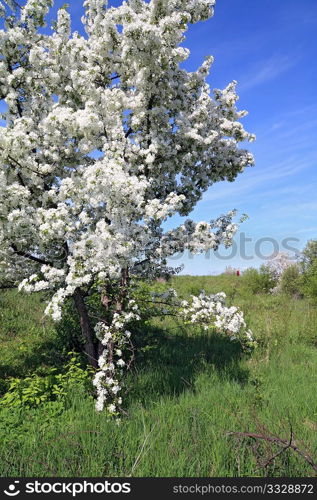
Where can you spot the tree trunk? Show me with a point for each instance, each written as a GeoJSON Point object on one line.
{"type": "Point", "coordinates": [118, 303]}
{"type": "Point", "coordinates": [86, 328]}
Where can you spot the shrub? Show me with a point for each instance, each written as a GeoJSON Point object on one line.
{"type": "Point", "coordinates": [36, 390]}
{"type": "Point", "coordinates": [310, 280]}
{"type": "Point", "coordinates": [290, 281]}
{"type": "Point", "coordinates": [260, 281]}
{"type": "Point", "coordinates": [308, 265]}
{"type": "Point", "coordinates": [309, 254]}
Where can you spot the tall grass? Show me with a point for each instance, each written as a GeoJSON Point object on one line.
{"type": "Point", "coordinates": [187, 393]}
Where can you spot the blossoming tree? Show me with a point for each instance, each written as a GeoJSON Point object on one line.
{"type": "Point", "coordinates": [106, 136]}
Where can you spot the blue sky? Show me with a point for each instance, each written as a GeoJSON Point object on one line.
{"type": "Point", "coordinates": [270, 48]}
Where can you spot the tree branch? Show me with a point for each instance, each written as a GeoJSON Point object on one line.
{"type": "Point", "coordinates": [8, 287]}
{"type": "Point", "coordinates": [30, 257]}
{"type": "Point", "coordinates": [18, 164]}
{"type": "Point", "coordinates": [285, 442]}
{"type": "Point", "coordinates": [17, 4]}
{"type": "Point", "coordinates": [126, 135]}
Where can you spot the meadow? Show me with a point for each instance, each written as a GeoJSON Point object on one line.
{"type": "Point", "coordinates": [188, 396]}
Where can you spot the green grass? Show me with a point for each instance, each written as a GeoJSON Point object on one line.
{"type": "Point", "coordinates": [188, 391]}
{"type": "Point", "coordinates": [27, 339]}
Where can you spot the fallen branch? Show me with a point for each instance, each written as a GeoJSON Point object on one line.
{"type": "Point", "coordinates": [276, 440]}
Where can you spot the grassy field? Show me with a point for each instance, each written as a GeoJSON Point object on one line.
{"type": "Point", "coordinates": [187, 393]}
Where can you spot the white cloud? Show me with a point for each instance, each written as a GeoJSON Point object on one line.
{"type": "Point", "coordinates": [267, 70]}
{"type": "Point", "coordinates": [257, 178]}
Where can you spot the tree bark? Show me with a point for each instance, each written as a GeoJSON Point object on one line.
{"type": "Point", "coordinates": [118, 303]}
{"type": "Point", "coordinates": [86, 328]}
